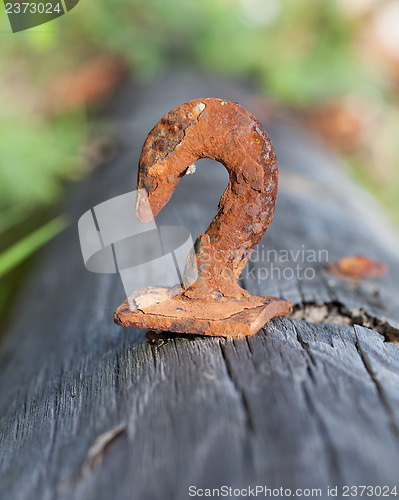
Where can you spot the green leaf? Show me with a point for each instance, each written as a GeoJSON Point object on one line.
{"type": "Point", "coordinates": [21, 250]}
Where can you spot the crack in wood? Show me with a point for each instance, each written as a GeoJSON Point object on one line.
{"type": "Point", "coordinates": [100, 448]}
{"type": "Point", "coordinates": [244, 403]}
{"type": "Point", "coordinates": [336, 312]}
{"type": "Point", "coordinates": [240, 393]}
{"type": "Point", "coordinates": [331, 453]}
{"type": "Point", "coordinates": [380, 388]}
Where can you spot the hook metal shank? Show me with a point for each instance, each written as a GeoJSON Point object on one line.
{"type": "Point", "coordinates": [226, 132]}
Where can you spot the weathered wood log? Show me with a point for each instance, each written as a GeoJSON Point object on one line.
{"type": "Point", "coordinates": [93, 411]}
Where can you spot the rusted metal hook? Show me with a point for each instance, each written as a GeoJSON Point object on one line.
{"type": "Point", "coordinates": [211, 303]}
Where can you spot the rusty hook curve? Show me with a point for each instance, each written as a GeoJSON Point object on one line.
{"type": "Point", "coordinates": [212, 302]}
{"type": "Point", "coordinates": [226, 132]}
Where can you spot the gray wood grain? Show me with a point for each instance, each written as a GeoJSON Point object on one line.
{"type": "Point", "coordinates": [89, 410]}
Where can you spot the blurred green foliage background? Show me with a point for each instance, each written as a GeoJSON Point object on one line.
{"type": "Point", "coordinates": [329, 63]}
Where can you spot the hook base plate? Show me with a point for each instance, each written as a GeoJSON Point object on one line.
{"type": "Point", "coordinates": [219, 318]}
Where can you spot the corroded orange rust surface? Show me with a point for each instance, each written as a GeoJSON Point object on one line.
{"type": "Point", "coordinates": [226, 132]}
{"type": "Point", "coordinates": [203, 317]}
